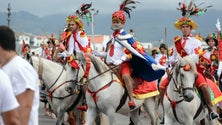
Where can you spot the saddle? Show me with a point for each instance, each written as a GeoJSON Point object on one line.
{"type": "Point", "coordinates": [141, 88]}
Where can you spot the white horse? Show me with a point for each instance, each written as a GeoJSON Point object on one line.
{"type": "Point", "coordinates": [105, 91]}
{"type": "Point", "coordinates": [54, 77]}
{"type": "Point", "coordinates": [181, 103]}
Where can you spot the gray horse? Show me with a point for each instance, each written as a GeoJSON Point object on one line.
{"type": "Point", "coordinates": [54, 77]}
{"type": "Point", "coordinates": [181, 103]}
{"type": "Point", "coordinates": [105, 91]}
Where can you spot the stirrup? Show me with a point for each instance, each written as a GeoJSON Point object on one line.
{"type": "Point", "coordinates": [213, 116]}
{"type": "Point", "coordinates": [131, 104]}
{"type": "Point", "coordinates": [82, 107]}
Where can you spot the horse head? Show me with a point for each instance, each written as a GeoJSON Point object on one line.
{"type": "Point", "coordinates": [87, 68]}
{"type": "Point", "coordinates": [184, 75]}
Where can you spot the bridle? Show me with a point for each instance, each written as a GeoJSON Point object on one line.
{"type": "Point", "coordinates": [53, 88]}
{"type": "Point", "coordinates": [178, 80]}
{"type": "Point", "coordinates": [178, 88]}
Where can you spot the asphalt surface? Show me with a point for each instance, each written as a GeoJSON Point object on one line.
{"type": "Point", "coordinates": [122, 120]}
{"type": "Point", "coordinates": [46, 120]}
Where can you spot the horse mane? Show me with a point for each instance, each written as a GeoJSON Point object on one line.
{"type": "Point", "coordinates": [51, 63]}
{"type": "Point", "coordinates": [99, 65]}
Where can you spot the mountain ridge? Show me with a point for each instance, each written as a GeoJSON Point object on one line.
{"type": "Point", "coordinates": [149, 25]}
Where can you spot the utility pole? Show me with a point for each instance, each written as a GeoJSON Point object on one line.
{"type": "Point", "coordinates": [165, 34]}
{"type": "Point", "coordinates": [93, 12]}
{"type": "Point", "coordinates": [9, 14]}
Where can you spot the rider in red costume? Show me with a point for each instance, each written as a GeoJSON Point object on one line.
{"type": "Point", "coordinates": [188, 45]}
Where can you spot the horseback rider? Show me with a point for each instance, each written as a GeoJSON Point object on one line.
{"type": "Point", "coordinates": [74, 38]}
{"type": "Point", "coordinates": [188, 45]}
{"type": "Point", "coordinates": [123, 51]}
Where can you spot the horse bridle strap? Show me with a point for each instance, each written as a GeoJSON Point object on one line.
{"type": "Point", "coordinates": [50, 93]}
{"type": "Point", "coordinates": [174, 104]}
{"type": "Point", "coordinates": [93, 94]}
{"type": "Point", "coordinates": [88, 61]}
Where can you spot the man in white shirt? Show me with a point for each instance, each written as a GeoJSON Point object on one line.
{"type": "Point", "coordinates": [23, 77]}
{"type": "Point", "coordinates": [8, 103]}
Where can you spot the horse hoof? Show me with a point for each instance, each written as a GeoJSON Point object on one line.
{"type": "Point", "coordinates": [53, 116]}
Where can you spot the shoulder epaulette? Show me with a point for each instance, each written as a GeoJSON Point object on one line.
{"type": "Point", "coordinates": [177, 38]}
{"type": "Point", "coordinates": [82, 34]}
{"type": "Point", "coordinates": [68, 34]}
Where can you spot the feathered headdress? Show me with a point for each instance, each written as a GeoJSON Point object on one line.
{"type": "Point", "coordinates": [188, 11]}
{"type": "Point", "coordinates": [124, 7]}
{"type": "Point", "coordinates": [84, 12]}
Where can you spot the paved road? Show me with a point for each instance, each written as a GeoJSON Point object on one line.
{"type": "Point", "coordinates": [43, 119]}
{"type": "Point", "coordinates": [46, 120]}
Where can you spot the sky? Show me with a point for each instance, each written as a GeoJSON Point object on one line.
{"type": "Point", "coordinates": [43, 8]}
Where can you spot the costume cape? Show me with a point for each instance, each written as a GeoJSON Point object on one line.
{"type": "Point", "coordinates": [141, 62]}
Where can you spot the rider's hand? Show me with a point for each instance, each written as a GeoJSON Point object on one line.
{"type": "Point", "coordinates": [117, 62]}
{"type": "Point", "coordinates": [99, 54]}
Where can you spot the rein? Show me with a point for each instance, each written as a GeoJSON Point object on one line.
{"type": "Point", "coordinates": [101, 74]}
{"type": "Point", "coordinates": [173, 105]}
{"type": "Point", "coordinates": [87, 72]}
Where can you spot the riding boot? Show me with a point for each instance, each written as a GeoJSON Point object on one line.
{"type": "Point", "coordinates": [207, 98]}
{"type": "Point", "coordinates": [84, 106]}
{"type": "Point", "coordinates": [129, 86]}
